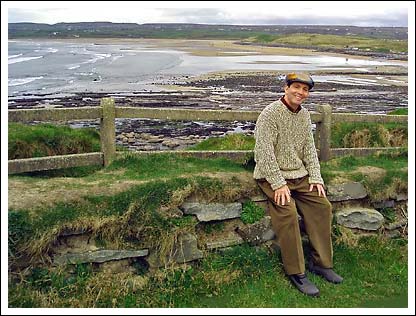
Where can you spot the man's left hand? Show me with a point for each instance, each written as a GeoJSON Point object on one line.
{"type": "Point", "coordinates": [319, 187]}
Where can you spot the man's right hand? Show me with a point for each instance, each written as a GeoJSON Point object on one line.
{"type": "Point", "coordinates": [282, 194]}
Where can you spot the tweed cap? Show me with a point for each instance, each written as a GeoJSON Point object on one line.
{"type": "Point", "coordinates": [299, 77]}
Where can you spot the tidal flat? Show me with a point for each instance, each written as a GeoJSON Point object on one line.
{"type": "Point", "coordinates": [203, 74]}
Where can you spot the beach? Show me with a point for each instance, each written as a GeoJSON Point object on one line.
{"type": "Point", "coordinates": [120, 65]}
{"type": "Point", "coordinates": [204, 74]}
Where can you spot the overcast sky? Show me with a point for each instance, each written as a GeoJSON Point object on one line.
{"type": "Point", "coordinates": [357, 13]}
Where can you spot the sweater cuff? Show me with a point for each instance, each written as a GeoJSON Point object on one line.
{"type": "Point", "coordinates": [277, 185]}
{"type": "Point", "coordinates": [314, 180]}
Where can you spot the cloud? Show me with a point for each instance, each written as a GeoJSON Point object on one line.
{"type": "Point", "coordinates": [200, 15]}
{"type": "Point", "coordinates": [302, 16]}
{"type": "Point", "coordinates": [303, 13]}
{"type": "Point", "coordinates": [22, 15]}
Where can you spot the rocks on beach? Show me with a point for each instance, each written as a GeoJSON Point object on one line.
{"type": "Point", "coordinates": [234, 91]}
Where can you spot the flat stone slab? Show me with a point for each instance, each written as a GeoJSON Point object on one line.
{"type": "Point", "coordinates": [99, 256]}
{"type": "Point", "coordinates": [212, 211]}
{"type": "Point", "coordinates": [396, 225]}
{"type": "Point", "coordinates": [231, 240]}
{"type": "Point", "coordinates": [400, 197]}
{"type": "Point", "coordinates": [184, 250]}
{"type": "Point", "coordinates": [384, 204]}
{"type": "Point", "coordinates": [259, 198]}
{"type": "Point", "coordinates": [346, 191]}
{"type": "Point", "coordinates": [359, 217]}
{"type": "Point", "coordinates": [258, 232]}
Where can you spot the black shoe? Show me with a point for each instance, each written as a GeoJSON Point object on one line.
{"type": "Point", "coordinates": [327, 273]}
{"type": "Point", "coordinates": [304, 285]}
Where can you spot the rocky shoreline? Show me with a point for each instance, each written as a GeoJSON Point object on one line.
{"type": "Point", "coordinates": [226, 91]}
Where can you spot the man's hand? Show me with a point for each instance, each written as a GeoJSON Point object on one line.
{"type": "Point", "coordinates": [282, 194]}
{"type": "Point", "coordinates": [319, 187]}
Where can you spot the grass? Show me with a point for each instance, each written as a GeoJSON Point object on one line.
{"type": "Point", "coordinates": [243, 276]}
{"type": "Point", "coordinates": [334, 41]}
{"type": "Point", "coordinates": [251, 213]}
{"type": "Point", "coordinates": [228, 142]}
{"type": "Point", "coordinates": [387, 161]}
{"type": "Point", "coordinates": [389, 214]}
{"type": "Point", "coordinates": [166, 166]}
{"type": "Point", "coordinates": [401, 111]}
{"type": "Point", "coordinates": [159, 166]}
{"type": "Point", "coordinates": [139, 216]}
{"type": "Point", "coordinates": [363, 283]}
{"type": "Point", "coordinates": [375, 271]}
{"type": "Point", "coordinates": [393, 179]}
{"type": "Point", "coordinates": [27, 141]}
{"type": "Point", "coordinates": [350, 135]}
{"type": "Point", "coordinates": [343, 135]}
{"type": "Point", "coordinates": [154, 166]}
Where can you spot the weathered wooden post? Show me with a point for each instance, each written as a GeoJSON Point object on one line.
{"type": "Point", "coordinates": [317, 134]}
{"type": "Point", "coordinates": [325, 132]}
{"type": "Point", "coordinates": [108, 130]}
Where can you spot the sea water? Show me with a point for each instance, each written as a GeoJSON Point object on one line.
{"type": "Point", "coordinates": [52, 67]}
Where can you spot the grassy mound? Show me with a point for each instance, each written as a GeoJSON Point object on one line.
{"type": "Point", "coordinates": [333, 41]}
{"type": "Point", "coordinates": [28, 141]}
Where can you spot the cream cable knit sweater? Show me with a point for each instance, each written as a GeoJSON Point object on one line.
{"type": "Point", "coordinates": [285, 148]}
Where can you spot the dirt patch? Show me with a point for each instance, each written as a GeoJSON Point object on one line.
{"type": "Point", "coordinates": [373, 173]}
{"type": "Point", "coordinates": [46, 193]}
{"type": "Point", "coordinates": [339, 179]}
{"type": "Point", "coordinates": [23, 194]}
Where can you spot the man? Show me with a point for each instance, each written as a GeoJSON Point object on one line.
{"type": "Point", "coordinates": [287, 170]}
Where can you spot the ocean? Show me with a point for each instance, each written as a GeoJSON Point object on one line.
{"type": "Point", "coordinates": [58, 67]}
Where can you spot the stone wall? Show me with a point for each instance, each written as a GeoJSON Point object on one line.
{"type": "Point", "coordinates": [352, 211]}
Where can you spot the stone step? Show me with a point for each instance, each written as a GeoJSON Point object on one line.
{"type": "Point", "coordinates": [359, 217]}
{"type": "Point", "coordinates": [184, 250]}
{"type": "Point", "coordinates": [231, 239]}
{"type": "Point", "coordinates": [346, 191]}
{"type": "Point", "coordinates": [212, 211]}
{"type": "Point", "coordinates": [98, 256]}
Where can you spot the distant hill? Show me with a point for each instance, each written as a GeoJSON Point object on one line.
{"type": "Point", "coordinates": [191, 31]}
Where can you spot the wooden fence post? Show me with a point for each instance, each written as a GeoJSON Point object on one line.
{"type": "Point", "coordinates": [325, 132]}
{"type": "Point", "coordinates": [317, 135]}
{"type": "Point", "coordinates": [108, 130]}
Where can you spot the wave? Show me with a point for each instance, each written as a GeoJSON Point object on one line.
{"type": "Point", "coordinates": [84, 73]}
{"type": "Point", "coordinates": [14, 56]}
{"type": "Point", "coordinates": [22, 59]}
{"type": "Point", "coordinates": [21, 81]}
{"type": "Point", "coordinates": [73, 67]}
{"type": "Point", "coordinates": [116, 57]}
{"type": "Point", "coordinates": [97, 57]}
{"type": "Point", "coordinates": [51, 50]}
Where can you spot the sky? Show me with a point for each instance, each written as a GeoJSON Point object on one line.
{"type": "Point", "coordinates": [355, 13]}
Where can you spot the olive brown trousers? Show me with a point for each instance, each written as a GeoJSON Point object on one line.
{"type": "Point", "coordinates": [316, 212]}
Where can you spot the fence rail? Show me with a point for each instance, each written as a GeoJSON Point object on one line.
{"type": "Point", "coordinates": [29, 115]}
{"type": "Point", "coordinates": [107, 113]}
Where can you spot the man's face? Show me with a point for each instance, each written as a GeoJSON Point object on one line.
{"type": "Point", "coordinates": [296, 93]}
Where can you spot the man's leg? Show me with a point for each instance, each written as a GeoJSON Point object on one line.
{"type": "Point", "coordinates": [286, 226]}
{"type": "Point", "coordinates": [317, 215]}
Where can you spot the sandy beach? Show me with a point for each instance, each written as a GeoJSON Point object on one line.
{"type": "Point", "coordinates": [208, 47]}
{"type": "Point", "coordinates": [197, 74]}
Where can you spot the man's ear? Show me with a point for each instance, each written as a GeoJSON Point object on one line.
{"type": "Point", "coordinates": [286, 87]}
